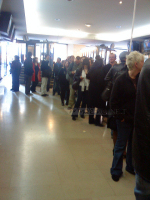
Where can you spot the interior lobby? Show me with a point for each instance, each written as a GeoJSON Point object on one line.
{"type": "Point", "coordinates": [44, 154]}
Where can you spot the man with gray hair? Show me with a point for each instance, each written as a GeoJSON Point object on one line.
{"type": "Point", "coordinates": [122, 102]}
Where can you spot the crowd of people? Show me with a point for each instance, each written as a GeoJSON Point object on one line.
{"type": "Point", "coordinates": [109, 91]}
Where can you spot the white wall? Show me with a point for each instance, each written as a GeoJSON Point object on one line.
{"type": "Point", "coordinates": [75, 49]}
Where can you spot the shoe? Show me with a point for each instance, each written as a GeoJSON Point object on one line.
{"type": "Point", "coordinates": [130, 171]}
{"type": "Point", "coordinates": [73, 118]}
{"type": "Point", "coordinates": [46, 95]}
{"type": "Point", "coordinates": [43, 95]}
{"type": "Point", "coordinates": [11, 89]}
{"type": "Point", "coordinates": [69, 108]}
{"type": "Point", "coordinates": [115, 178]}
{"type": "Point", "coordinates": [15, 90]}
{"type": "Point", "coordinates": [82, 116]}
{"type": "Point", "coordinates": [101, 125]}
{"type": "Point", "coordinates": [92, 121]}
{"type": "Point", "coordinates": [66, 103]}
{"type": "Point", "coordinates": [62, 103]}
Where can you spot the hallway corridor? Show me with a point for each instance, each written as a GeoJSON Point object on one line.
{"type": "Point", "coordinates": [44, 155]}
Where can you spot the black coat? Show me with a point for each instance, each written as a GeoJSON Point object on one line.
{"type": "Point", "coordinates": [57, 68]}
{"type": "Point", "coordinates": [16, 68]}
{"type": "Point", "coordinates": [62, 78]}
{"type": "Point", "coordinates": [46, 69]}
{"type": "Point", "coordinates": [123, 97]}
{"type": "Point", "coordinates": [28, 67]}
{"type": "Point", "coordinates": [96, 87]}
{"type": "Point", "coordinates": [141, 136]}
{"type": "Point", "coordinates": [106, 69]}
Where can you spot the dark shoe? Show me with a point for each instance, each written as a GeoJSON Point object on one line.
{"type": "Point", "coordinates": [43, 95]}
{"type": "Point", "coordinates": [69, 108]}
{"type": "Point", "coordinates": [82, 116]}
{"type": "Point", "coordinates": [73, 118]}
{"type": "Point", "coordinates": [92, 121]}
{"type": "Point", "coordinates": [62, 103]}
{"type": "Point", "coordinates": [66, 103]}
{"type": "Point", "coordinates": [11, 89]}
{"type": "Point", "coordinates": [130, 171]}
{"type": "Point", "coordinates": [15, 90]}
{"type": "Point", "coordinates": [101, 125]}
{"type": "Point", "coordinates": [115, 178]}
{"type": "Point", "coordinates": [46, 95]}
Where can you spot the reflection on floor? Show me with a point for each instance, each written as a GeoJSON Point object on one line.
{"type": "Point", "coordinates": [44, 155]}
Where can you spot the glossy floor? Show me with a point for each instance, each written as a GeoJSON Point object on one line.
{"type": "Point", "coordinates": [44, 155]}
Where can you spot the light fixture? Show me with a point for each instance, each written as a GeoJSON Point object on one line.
{"type": "Point", "coordinates": [88, 25]}
{"type": "Point", "coordinates": [57, 20]}
{"type": "Point", "coordinates": [118, 27]}
{"type": "Point", "coordinates": [120, 2]}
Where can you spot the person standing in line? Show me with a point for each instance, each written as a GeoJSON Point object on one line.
{"type": "Point", "coordinates": [83, 89]}
{"type": "Point", "coordinates": [112, 62]}
{"type": "Point", "coordinates": [96, 87]}
{"type": "Point", "coordinates": [36, 75]}
{"type": "Point", "coordinates": [141, 135]}
{"type": "Point", "coordinates": [15, 71]}
{"type": "Point", "coordinates": [71, 72]}
{"type": "Point", "coordinates": [28, 71]}
{"type": "Point", "coordinates": [122, 102]}
{"type": "Point", "coordinates": [57, 67]}
{"type": "Point", "coordinates": [110, 78]}
{"type": "Point", "coordinates": [64, 83]}
{"type": "Point", "coordinates": [46, 73]}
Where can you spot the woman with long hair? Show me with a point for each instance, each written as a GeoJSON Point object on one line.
{"type": "Point", "coordinates": [64, 83]}
{"type": "Point", "coordinates": [36, 75]}
{"type": "Point", "coordinates": [82, 90]}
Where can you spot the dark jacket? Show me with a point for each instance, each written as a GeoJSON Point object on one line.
{"type": "Point", "coordinates": [96, 87]}
{"type": "Point", "coordinates": [16, 68]}
{"type": "Point", "coordinates": [141, 136]}
{"type": "Point", "coordinates": [123, 97]}
{"type": "Point", "coordinates": [62, 78]}
{"type": "Point", "coordinates": [115, 71]}
{"type": "Point", "coordinates": [28, 67]}
{"type": "Point", "coordinates": [106, 69]}
{"type": "Point", "coordinates": [46, 69]}
{"type": "Point", "coordinates": [57, 68]}
{"type": "Point", "coordinates": [73, 68]}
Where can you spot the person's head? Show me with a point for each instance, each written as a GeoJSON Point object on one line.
{"type": "Point", "coordinates": [78, 60]}
{"type": "Point", "coordinates": [97, 57]}
{"type": "Point", "coordinates": [47, 57]}
{"type": "Point", "coordinates": [29, 55]}
{"type": "Point", "coordinates": [86, 64]}
{"type": "Point", "coordinates": [35, 60]}
{"type": "Point", "coordinates": [63, 62]}
{"type": "Point", "coordinates": [17, 58]}
{"type": "Point", "coordinates": [135, 61]}
{"type": "Point", "coordinates": [72, 58]}
{"type": "Point", "coordinates": [66, 64]}
{"type": "Point", "coordinates": [58, 60]}
{"type": "Point", "coordinates": [123, 56]}
{"type": "Point", "coordinates": [112, 58]}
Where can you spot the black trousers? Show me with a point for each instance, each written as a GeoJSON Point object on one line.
{"type": "Point", "coordinates": [91, 111]}
{"type": "Point", "coordinates": [34, 84]}
{"type": "Point", "coordinates": [64, 94]}
{"type": "Point", "coordinates": [15, 82]}
{"type": "Point", "coordinates": [48, 84]}
{"type": "Point", "coordinates": [82, 97]}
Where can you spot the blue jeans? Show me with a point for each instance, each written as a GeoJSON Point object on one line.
{"type": "Point", "coordinates": [142, 189]}
{"type": "Point", "coordinates": [125, 132]}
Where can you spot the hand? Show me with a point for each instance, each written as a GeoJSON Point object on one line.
{"type": "Point", "coordinates": [86, 71]}
{"type": "Point", "coordinates": [81, 78]}
{"type": "Point", "coordinates": [73, 72]}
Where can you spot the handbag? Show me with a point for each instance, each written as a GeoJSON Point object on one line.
{"type": "Point", "coordinates": [107, 92]}
{"type": "Point", "coordinates": [111, 123]}
{"type": "Point", "coordinates": [75, 85]}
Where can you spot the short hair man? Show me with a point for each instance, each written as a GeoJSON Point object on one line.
{"type": "Point", "coordinates": [71, 72]}
{"type": "Point", "coordinates": [57, 67]}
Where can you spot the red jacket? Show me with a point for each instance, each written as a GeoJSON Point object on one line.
{"type": "Point", "coordinates": [39, 73]}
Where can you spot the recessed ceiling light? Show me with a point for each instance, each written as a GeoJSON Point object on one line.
{"type": "Point", "coordinates": [88, 25]}
{"type": "Point", "coordinates": [118, 27]}
{"type": "Point", "coordinates": [57, 20]}
{"type": "Point", "coordinates": [120, 2]}
{"type": "Point", "coordinates": [70, 0]}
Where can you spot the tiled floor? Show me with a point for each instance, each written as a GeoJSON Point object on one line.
{"type": "Point", "coordinates": [44, 155]}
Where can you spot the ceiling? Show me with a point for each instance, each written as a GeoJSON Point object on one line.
{"type": "Point", "coordinates": [36, 18]}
